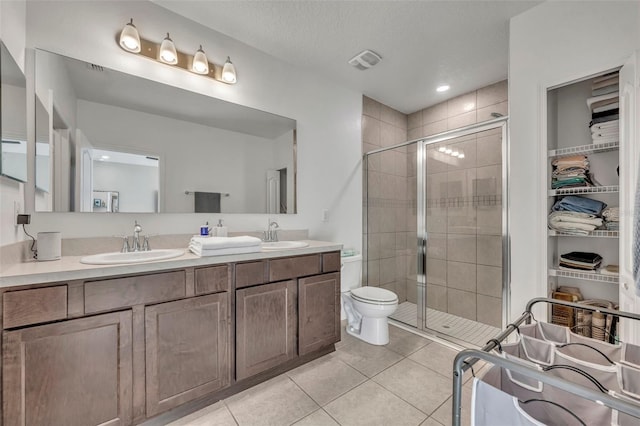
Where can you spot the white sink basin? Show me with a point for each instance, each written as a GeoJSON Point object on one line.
{"type": "Point", "coordinates": [132, 257]}
{"type": "Point", "coordinates": [284, 245]}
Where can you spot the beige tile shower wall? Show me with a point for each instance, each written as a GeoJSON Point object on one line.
{"type": "Point", "coordinates": [464, 213]}
{"type": "Point", "coordinates": [386, 218]}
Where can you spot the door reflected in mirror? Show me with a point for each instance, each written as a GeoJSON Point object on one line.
{"type": "Point", "coordinates": [13, 152]}
{"type": "Point", "coordinates": [208, 155]}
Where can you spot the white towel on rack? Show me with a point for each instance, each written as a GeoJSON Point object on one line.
{"type": "Point", "coordinates": [222, 252]}
{"type": "Point", "coordinates": [218, 243]}
{"type": "Point", "coordinates": [606, 125]}
{"type": "Point", "coordinates": [595, 99]}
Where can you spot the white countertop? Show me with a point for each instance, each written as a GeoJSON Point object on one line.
{"type": "Point", "coordinates": [69, 267]}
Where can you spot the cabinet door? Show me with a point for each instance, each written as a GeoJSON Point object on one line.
{"type": "Point", "coordinates": [75, 372]}
{"type": "Point", "coordinates": [265, 327]}
{"type": "Point", "coordinates": [187, 350]}
{"type": "Point", "coordinates": [319, 315]}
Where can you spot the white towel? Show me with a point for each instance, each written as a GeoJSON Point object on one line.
{"type": "Point", "coordinates": [222, 252]}
{"type": "Point", "coordinates": [574, 222]}
{"type": "Point", "coordinates": [607, 107]}
{"type": "Point", "coordinates": [218, 243]}
{"type": "Point", "coordinates": [606, 139]}
{"type": "Point", "coordinates": [595, 99]}
{"type": "Point", "coordinates": [606, 125]}
{"type": "Point", "coordinates": [609, 131]}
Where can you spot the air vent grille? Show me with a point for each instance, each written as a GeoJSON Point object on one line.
{"type": "Point", "coordinates": [365, 60]}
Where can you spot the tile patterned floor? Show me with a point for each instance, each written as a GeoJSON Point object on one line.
{"type": "Point", "coordinates": [407, 382]}
{"type": "Point", "coordinates": [463, 329]}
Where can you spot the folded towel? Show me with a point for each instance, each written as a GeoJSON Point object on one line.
{"type": "Point", "coordinates": [611, 214]}
{"type": "Point", "coordinates": [606, 125]}
{"type": "Point", "coordinates": [611, 80]}
{"type": "Point", "coordinates": [609, 131]}
{"type": "Point", "coordinates": [609, 118]}
{"type": "Point", "coordinates": [222, 252]}
{"type": "Point", "coordinates": [606, 139]}
{"type": "Point", "coordinates": [600, 98]}
{"type": "Point", "coordinates": [218, 243]}
{"type": "Point", "coordinates": [614, 105]}
{"type": "Point", "coordinates": [614, 88]}
{"type": "Point", "coordinates": [605, 77]}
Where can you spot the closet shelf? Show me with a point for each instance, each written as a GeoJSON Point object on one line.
{"type": "Point", "coordinates": [584, 149]}
{"type": "Point", "coordinates": [595, 234]}
{"type": "Point", "coordinates": [583, 190]}
{"type": "Point", "coordinates": [584, 276]}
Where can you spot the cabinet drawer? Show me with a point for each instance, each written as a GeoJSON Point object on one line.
{"type": "Point", "coordinates": [34, 306]}
{"type": "Point", "coordinates": [251, 273]}
{"type": "Point", "coordinates": [291, 267]}
{"type": "Point", "coordinates": [212, 280]}
{"type": "Point", "coordinates": [331, 262]}
{"type": "Point", "coordinates": [129, 291]}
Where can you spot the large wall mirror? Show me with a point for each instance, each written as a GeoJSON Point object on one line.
{"type": "Point", "coordinates": [13, 148]}
{"type": "Point", "coordinates": [114, 142]}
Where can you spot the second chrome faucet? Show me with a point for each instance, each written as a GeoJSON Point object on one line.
{"type": "Point", "coordinates": [135, 245]}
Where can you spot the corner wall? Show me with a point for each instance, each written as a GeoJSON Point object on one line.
{"type": "Point", "coordinates": [578, 39]}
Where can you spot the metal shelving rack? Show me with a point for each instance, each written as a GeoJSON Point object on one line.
{"type": "Point", "coordinates": [584, 149]}
{"type": "Point", "coordinates": [593, 234]}
{"type": "Point", "coordinates": [584, 190]}
{"type": "Point", "coordinates": [587, 276]}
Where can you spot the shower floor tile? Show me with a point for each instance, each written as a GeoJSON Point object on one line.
{"type": "Point", "coordinates": [444, 323]}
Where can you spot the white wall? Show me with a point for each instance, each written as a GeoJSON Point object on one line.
{"type": "Point", "coordinates": [142, 196]}
{"type": "Point", "coordinates": [553, 43]}
{"type": "Point", "coordinates": [12, 33]}
{"type": "Point", "coordinates": [328, 116]}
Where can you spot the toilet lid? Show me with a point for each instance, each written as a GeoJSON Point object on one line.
{"type": "Point", "coordinates": [374, 294]}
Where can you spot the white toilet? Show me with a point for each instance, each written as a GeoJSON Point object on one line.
{"type": "Point", "coordinates": [366, 308]}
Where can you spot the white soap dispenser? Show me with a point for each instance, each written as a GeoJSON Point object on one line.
{"type": "Point", "coordinates": [221, 231]}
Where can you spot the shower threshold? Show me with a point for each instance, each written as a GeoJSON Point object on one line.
{"type": "Point", "coordinates": [443, 323]}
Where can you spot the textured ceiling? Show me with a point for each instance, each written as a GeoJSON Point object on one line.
{"type": "Point", "coordinates": [422, 43]}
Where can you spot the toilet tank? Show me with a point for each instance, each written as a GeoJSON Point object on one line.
{"type": "Point", "coordinates": [351, 272]}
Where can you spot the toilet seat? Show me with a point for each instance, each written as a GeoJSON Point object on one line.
{"type": "Point", "coordinates": [374, 296]}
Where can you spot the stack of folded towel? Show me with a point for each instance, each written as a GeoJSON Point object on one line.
{"type": "Point", "coordinates": [570, 172]}
{"type": "Point", "coordinates": [611, 217]}
{"type": "Point", "coordinates": [576, 215]}
{"type": "Point", "coordinates": [573, 203]}
{"type": "Point", "coordinates": [606, 132]}
{"type": "Point", "coordinates": [574, 223]}
{"type": "Point", "coordinates": [580, 261]}
{"type": "Point", "coordinates": [605, 101]}
{"type": "Point", "coordinates": [219, 246]}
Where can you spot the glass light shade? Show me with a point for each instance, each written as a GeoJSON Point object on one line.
{"type": "Point", "coordinates": [455, 153]}
{"type": "Point", "coordinates": [442, 149]}
{"type": "Point", "coordinates": [168, 53]}
{"type": "Point", "coordinates": [129, 38]}
{"type": "Point", "coordinates": [228, 72]}
{"type": "Point", "coordinates": [460, 155]}
{"type": "Point", "coordinates": [448, 151]}
{"type": "Point", "coordinates": [200, 63]}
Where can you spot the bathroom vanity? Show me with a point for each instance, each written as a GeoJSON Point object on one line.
{"type": "Point", "coordinates": [118, 345]}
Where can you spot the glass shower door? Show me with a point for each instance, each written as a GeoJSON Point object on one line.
{"type": "Point", "coordinates": [462, 233]}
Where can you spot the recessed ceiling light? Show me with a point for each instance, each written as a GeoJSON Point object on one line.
{"type": "Point", "coordinates": [442, 88]}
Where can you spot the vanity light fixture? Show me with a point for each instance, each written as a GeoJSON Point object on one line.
{"type": "Point", "coordinates": [200, 63]}
{"type": "Point", "coordinates": [129, 38]}
{"type": "Point", "coordinates": [165, 52]}
{"type": "Point", "coordinates": [168, 53]}
{"type": "Point", "coordinates": [229, 72]}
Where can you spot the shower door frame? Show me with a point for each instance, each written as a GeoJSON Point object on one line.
{"type": "Point", "coordinates": [421, 198]}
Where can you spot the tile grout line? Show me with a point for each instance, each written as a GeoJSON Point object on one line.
{"type": "Point", "coordinates": [309, 396]}
{"type": "Point", "coordinates": [224, 402]}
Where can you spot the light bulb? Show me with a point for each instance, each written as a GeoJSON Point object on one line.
{"type": "Point", "coordinates": [448, 151]}
{"type": "Point", "coordinates": [129, 38]}
{"type": "Point", "coordinates": [442, 88]}
{"type": "Point", "coordinates": [455, 153]}
{"type": "Point", "coordinates": [461, 155]}
{"type": "Point", "coordinates": [229, 72]}
{"type": "Point", "coordinates": [200, 63]}
{"type": "Point", "coordinates": [168, 53]}
{"type": "Point", "coordinates": [442, 149]}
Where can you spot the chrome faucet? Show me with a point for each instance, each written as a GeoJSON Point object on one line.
{"type": "Point", "coordinates": [136, 237]}
{"type": "Point", "coordinates": [271, 234]}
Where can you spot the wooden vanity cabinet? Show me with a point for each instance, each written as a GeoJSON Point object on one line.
{"type": "Point", "coordinates": [319, 312]}
{"type": "Point", "coordinates": [187, 350]}
{"type": "Point", "coordinates": [266, 327]}
{"type": "Point", "coordinates": [75, 372]}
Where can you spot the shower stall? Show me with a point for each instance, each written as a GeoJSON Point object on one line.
{"type": "Point", "coordinates": [435, 230]}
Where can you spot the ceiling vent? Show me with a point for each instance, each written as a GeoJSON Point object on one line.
{"type": "Point", "coordinates": [365, 60]}
{"type": "Point", "coordinates": [94, 67]}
